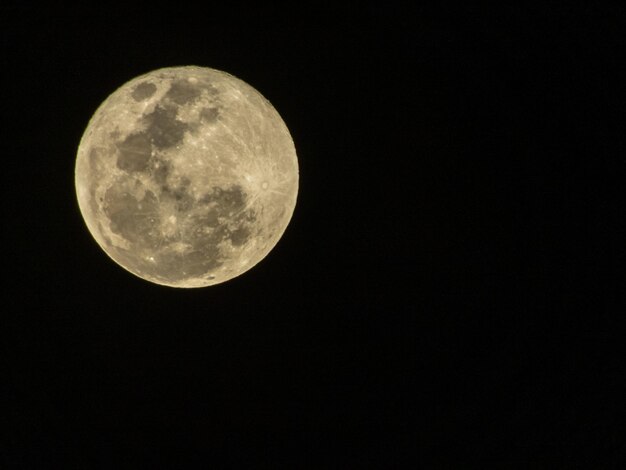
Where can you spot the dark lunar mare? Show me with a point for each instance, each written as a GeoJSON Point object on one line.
{"type": "Point", "coordinates": [209, 114]}
{"type": "Point", "coordinates": [134, 152]}
{"type": "Point", "coordinates": [203, 229]}
{"type": "Point", "coordinates": [164, 129]}
{"type": "Point", "coordinates": [183, 92]}
{"type": "Point", "coordinates": [135, 221]}
{"type": "Point", "coordinates": [143, 91]}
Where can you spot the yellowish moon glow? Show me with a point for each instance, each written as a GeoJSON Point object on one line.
{"type": "Point", "coordinates": [186, 176]}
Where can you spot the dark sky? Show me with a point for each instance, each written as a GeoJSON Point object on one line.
{"type": "Point", "coordinates": [445, 290]}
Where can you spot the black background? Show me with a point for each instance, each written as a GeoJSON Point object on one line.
{"type": "Point", "coordinates": [449, 289]}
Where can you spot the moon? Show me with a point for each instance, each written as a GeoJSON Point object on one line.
{"type": "Point", "coordinates": [186, 176]}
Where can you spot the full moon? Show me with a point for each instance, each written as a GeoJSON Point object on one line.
{"type": "Point", "coordinates": [186, 176]}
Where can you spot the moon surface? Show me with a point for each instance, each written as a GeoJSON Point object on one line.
{"type": "Point", "coordinates": [186, 176]}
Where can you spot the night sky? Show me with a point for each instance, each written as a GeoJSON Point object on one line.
{"type": "Point", "coordinates": [444, 295]}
